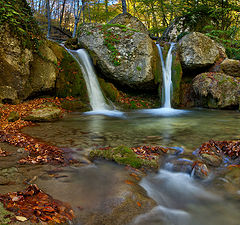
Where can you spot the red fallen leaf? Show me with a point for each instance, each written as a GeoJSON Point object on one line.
{"type": "Point", "coordinates": [139, 204]}
{"type": "Point", "coordinates": [128, 182]}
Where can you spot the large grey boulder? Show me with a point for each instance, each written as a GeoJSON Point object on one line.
{"type": "Point", "coordinates": [217, 90]}
{"type": "Point", "coordinates": [129, 21]}
{"type": "Point", "coordinates": [123, 55]}
{"type": "Point", "coordinates": [197, 51]}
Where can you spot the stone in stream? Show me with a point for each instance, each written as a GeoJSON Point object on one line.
{"type": "Point", "coordinates": [200, 170]}
{"type": "Point", "coordinates": [212, 159]}
{"type": "Point", "coordinates": [44, 114]}
{"type": "Point", "coordinates": [126, 156]}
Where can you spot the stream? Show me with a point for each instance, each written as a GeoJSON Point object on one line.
{"type": "Point", "coordinates": [93, 189]}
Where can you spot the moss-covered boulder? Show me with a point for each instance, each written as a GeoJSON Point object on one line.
{"type": "Point", "coordinates": [217, 90]}
{"type": "Point", "coordinates": [231, 67]}
{"type": "Point", "coordinates": [30, 65]}
{"type": "Point", "coordinates": [125, 156]}
{"type": "Point", "coordinates": [123, 55]}
{"type": "Point", "coordinates": [45, 114]}
{"type": "Point", "coordinates": [70, 81]}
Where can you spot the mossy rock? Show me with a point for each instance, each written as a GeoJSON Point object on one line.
{"type": "Point", "coordinates": [124, 156]}
{"type": "Point", "coordinates": [45, 114]}
{"type": "Point", "coordinates": [72, 43]}
{"type": "Point", "coordinates": [75, 105]}
{"type": "Point", "coordinates": [70, 81]}
{"type": "Point", "coordinates": [109, 90]}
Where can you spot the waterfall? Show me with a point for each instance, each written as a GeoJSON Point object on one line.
{"type": "Point", "coordinates": [167, 75]}
{"type": "Point", "coordinates": [96, 97]}
{"type": "Point", "coordinates": [97, 100]}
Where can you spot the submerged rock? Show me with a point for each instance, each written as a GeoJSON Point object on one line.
{"type": "Point", "coordinates": [200, 170]}
{"type": "Point", "coordinates": [231, 67]}
{"type": "Point", "coordinates": [217, 90]}
{"type": "Point", "coordinates": [45, 114]}
{"type": "Point", "coordinates": [123, 55]}
{"type": "Point", "coordinates": [197, 51]}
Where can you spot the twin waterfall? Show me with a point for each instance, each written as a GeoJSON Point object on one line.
{"type": "Point", "coordinates": [167, 76]}
{"type": "Point", "coordinates": [98, 101]}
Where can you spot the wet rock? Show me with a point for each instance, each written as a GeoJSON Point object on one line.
{"type": "Point", "coordinates": [72, 43]}
{"type": "Point", "coordinates": [212, 160]}
{"type": "Point", "coordinates": [200, 170]}
{"type": "Point", "coordinates": [216, 90]}
{"type": "Point", "coordinates": [131, 200]}
{"type": "Point", "coordinates": [125, 156]}
{"type": "Point", "coordinates": [44, 114]}
{"type": "Point", "coordinates": [10, 176]}
{"type": "Point", "coordinates": [131, 59]}
{"type": "Point", "coordinates": [180, 165]}
{"type": "Point", "coordinates": [231, 67]}
{"type": "Point", "coordinates": [197, 51]}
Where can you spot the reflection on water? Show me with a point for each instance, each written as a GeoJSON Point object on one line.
{"type": "Point", "coordinates": [181, 201]}
{"type": "Point", "coordinates": [186, 130]}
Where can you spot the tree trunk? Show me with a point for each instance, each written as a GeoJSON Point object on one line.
{"type": "Point", "coordinates": [48, 18]}
{"type": "Point", "coordinates": [106, 9]}
{"type": "Point", "coordinates": [124, 6]}
{"type": "Point", "coordinates": [62, 12]}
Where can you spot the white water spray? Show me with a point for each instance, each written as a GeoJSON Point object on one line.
{"type": "Point", "coordinates": [167, 75]}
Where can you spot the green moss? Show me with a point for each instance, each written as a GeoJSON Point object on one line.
{"type": "Point", "coordinates": [139, 68]}
{"type": "Point", "coordinates": [18, 16]}
{"type": "Point", "coordinates": [5, 215]}
{"type": "Point", "coordinates": [124, 156]}
{"type": "Point", "coordinates": [176, 80]}
{"type": "Point", "coordinates": [70, 81]}
{"type": "Point", "coordinates": [109, 90]}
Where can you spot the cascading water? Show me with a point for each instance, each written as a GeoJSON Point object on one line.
{"type": "Point", "coordinates": [167, 75]}
{"type": "Point", "coordinates": [97, 100]}
{"type": "Point", "coordinates": [96, 97]}
{"type": "Point", "coordinates": [166, 109]}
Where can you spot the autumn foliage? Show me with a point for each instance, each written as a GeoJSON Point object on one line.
{"type": "Point", "coordinates": [229, 148]}
{"type": "Point", "coordinates": [10, 132]}
{"type": "Point", "coordinates": [37, 206]}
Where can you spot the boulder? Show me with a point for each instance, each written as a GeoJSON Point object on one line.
{"type": "Point", "coordinates": [197, 51]}
{"type": "Point", "coordinates": [231, 67]}
{"type": "Point", "coordinates": [8, 94]}
{"type": "Point", "coordinates": [217, 90]}
{"type": "Point", "coordinates": [129, 21]}
{"type": "Point", "coordinates": [212, 159]}
{"type": "Point", "coordinates": [45, 114]}
{"type": "Point", "coordinates": [124, 56]}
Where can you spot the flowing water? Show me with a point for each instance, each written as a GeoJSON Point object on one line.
{"type": "Point", "coordinates": [181, 200]}
{"type": "Point", "coordinates": [97, 100]}
{"type": "Point", "coordinates": [167, 76]}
